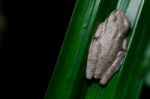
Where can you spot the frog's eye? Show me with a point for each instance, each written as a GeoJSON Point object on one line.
{"type": "Point", "coordinates": [112, 18]}
{"type": "Point", "coordinates": [96, 38]}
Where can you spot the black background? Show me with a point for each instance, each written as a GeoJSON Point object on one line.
{"type": "Point", "coordinates": [31, 44]}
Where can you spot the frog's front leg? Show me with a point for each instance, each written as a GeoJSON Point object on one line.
{"type": "Point", "coordinates": [116, 64]}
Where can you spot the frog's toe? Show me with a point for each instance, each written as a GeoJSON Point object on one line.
{"type": "Point", "coordinates": [103, 81]}
{"type": "Point", "coordinates": [89, 75]}
{"type": "Point", "coordinates": [97, 75]}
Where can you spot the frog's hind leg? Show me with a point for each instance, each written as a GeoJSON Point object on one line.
{"type": "Point", "coordinates": [116, 64]}
{"type": "Point", "coordinates": [114, 67]}
{"type": "Point", "coordinates": [92, 59]}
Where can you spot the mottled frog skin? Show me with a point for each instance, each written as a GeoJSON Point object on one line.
{"type": "Point", "coordinates": [108, 47]}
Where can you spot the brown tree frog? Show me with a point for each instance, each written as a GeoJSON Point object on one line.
{"type": "Point", "coordinates": [108, 47]}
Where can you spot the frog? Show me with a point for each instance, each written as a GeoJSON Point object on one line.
{"type": "Point", "coordinates": [108, 47]}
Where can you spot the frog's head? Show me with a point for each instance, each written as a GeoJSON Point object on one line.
{"type": "Point", "coordinates": [117, 16]}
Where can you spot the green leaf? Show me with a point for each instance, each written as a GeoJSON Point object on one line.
{"type": "Point", "coordinates": [68, 80]}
